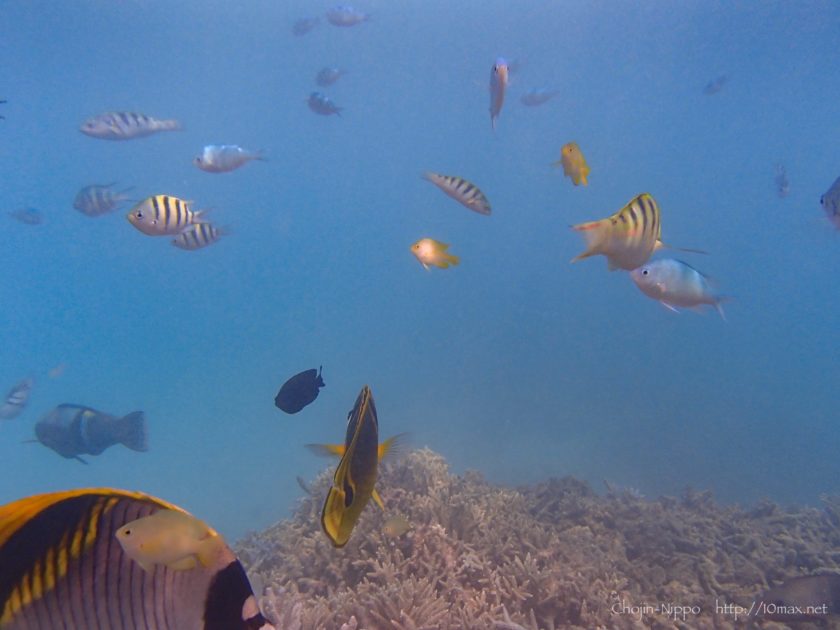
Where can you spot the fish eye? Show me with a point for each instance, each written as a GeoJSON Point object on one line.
{"type": "Point", "coordinates": [645, 272]}
{"type": "Point", "coordinates": [127, 532]}
{"type": "Point", "coordinates": [139, 215]}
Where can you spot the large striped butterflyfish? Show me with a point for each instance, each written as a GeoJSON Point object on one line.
{"type": "Point", "coordinates": [461, 191]}
{"type": "Point", "coordinates": [162, 215]}
{"type": "Point", "coordinates": [629, 237]}
{"type": "Point", "coordinates": [62, 567]}
{"type": "Point", "coordinates": [355, 478]}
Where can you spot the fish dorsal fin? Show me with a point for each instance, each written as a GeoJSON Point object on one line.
{"type": "Point", "coordinates": [392, 445]}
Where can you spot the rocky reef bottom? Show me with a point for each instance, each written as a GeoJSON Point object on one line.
{"type": "Point", "coordinates": [554, 555]}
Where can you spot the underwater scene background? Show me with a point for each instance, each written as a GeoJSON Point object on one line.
{"type": "Point", "coordinates": [514, 363]}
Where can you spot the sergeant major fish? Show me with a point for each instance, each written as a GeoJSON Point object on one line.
{"type": "Point", "coordinates": [197, 236]}
{"type": "Point", "coordinates": [460, 190]}
{"type": "Point", "coordinates": [125, 126]}
{"type": "Point", "coordinates": [431, 252]}
{"type": "Point", "coordinates": [16, 399]}
{"type": "Point", "coordinates": [499, 76]}
{"type": "Point", "coordinates": [172, 538]}
{"type": "Point", "coordinates": [73, 430]}
{"type": "Point", "coordinates": [163, 215]}
{"type": "Point", "coordinates": [344, 15]}
{"type": "Point", "coordinates": [96, 200]}
{"type": "Point", "coordinates": [830, 203]}
{"type": "Point", "coordinates": [322, 104]}
{"type": "Point", "coordinates": [225, 158]}
{"type": "Point", "coordinates": [628, 237]}
{"type": "Point", "coordinates": [675, 283]}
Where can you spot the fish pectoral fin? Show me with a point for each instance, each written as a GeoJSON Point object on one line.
{"type": "Point", "coordinates": [148, 567]}
{"type": "Point", "coordinates": [378, 499]}
{"type": "Point", "coordinates": [208, 552]}
{"type": "Point", "coordinates": [670, 307]}
{"type": "Point", "coordinates": [660, 245]}
{"type": "Point", "coordinates": [327, 450]}
{"type": "Point", "coordinates": [184, 564]}
{"type": "Point", "coordinates": [81, 460]}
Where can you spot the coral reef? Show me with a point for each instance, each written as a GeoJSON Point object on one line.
{"type": "Point", "coordinates": [555, 555]}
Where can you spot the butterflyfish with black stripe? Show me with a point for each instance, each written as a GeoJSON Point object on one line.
{"type": "Point", "coordinates": [63, 567]}
{"type": "Point", "coordinates": [16, 399]}
{"type": "Point", "coordinates": [164, 215]}
{"type": "Point", "coordinates": [198, 235]}
{"type": "Point", "coordinates": [460, 190]}
{"type": "Point", "coordinates": [125, 126]}
{"type": "Point", "coordinates": [629, 237]}
{"type": "Point", "coordinates": [74, 430]}
{"type": "Point", "coordinates": [354, 480]}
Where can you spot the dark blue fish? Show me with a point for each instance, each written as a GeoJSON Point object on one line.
{"type": "Point", "coordinates": [73, 430]}
{"type": "Point", "coordinates": [299, 391]}
{"type": "Point", "coordinates": [322, 104]}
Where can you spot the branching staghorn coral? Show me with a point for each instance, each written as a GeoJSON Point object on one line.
{"type": "Point", "coordinates": [550, 556]}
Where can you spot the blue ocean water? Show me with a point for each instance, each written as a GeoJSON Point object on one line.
{"type": "Point", "coordinates": [515, 363]}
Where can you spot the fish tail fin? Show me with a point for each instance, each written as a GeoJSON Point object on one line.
{"type": "Point", "coordinates": [452, 259]}
{"type": "Point", "coordinates": [394, 445]}
{"type": "Point", "coordinates": [326, 450]}
{"type": "Point", "coordinates": [132, 431]}
{"type": "Point", "coordinates": [171, 125]}
{"type": "Point", "coordinates": [660, 245]}
{"type": "Point", "coordinates": [260, 154]}
{"type": "Point", "coordinates": [718, 304]}
{"type": "Point", "coordinates": [595, 233]}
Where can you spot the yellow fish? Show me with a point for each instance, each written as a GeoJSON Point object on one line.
{"type": "Point", "coordinates": [627, 238]}
{"type": "Point", "coordinates": [162, 215]}
{"type": "Point", "coordinates": [573, 163]}
{"type": "Point", "coordinates": [431, 252]}
{"type": "Point", "coordinates": [396, 526]}
{"type": "Point", "coordinates": [355, 478]}
{"type": "Point", "coordinates": [391, 445]}
{"type": "Point", "coordinates": [172, 538]}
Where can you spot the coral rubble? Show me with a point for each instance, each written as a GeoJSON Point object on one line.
{"type": "Point", "coordinates": [555, 555]}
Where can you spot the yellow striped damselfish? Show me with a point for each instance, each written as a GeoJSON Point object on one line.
{"type": "Point", "coordinates": [62, 567]}
{"type": "Point", "coordinates": [355, 478]}
{"type": "Point", "coordinates": [163, 215]}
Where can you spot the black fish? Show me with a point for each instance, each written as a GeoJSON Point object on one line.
{"type": "Point", "coordinates": [63, 568]}
{"type": "Point", "coordinates": [806, 598]}
{"type": "Point", "coordinates": [73, 430]}
{"type": "Point", "coordinates": [299, 391]}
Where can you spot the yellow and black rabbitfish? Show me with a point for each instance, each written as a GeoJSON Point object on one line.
{"type": "Point", "coordinates": [163, 215]}
{"type": "Point", "coordinates": [62, 567]}
{"type": "Point", "coordinates": [628, 237]}
{"type": "Point", "coordinates": [355, 478]}
{"type": "Point", "coordinates": [461, 191]}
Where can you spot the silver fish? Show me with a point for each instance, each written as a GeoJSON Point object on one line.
{"type": "Point", "coordinates": [16, 399]}
{"type": "Point", "coordinates": [125, 126]}
{"type": "Point", "coordinates": [322, 104]}
{"type": "Point", "coordinates": [96, 200]}
{"type": "Point", "coordinates": [345, 15]}
{"type": "Point", "coordinates": [782, 182]}
{"type": "Point", "coordinates": [198, 236]}
{"type": "Point", "coordinates": [29, 216]}
{"type": "Point", "coordinates": [460, 190]}
{"type": "Point", "coordinates": [537, 96]}
{"type": "Point", "coordinates": [830, 202]}
{"type": "Point", "coordinates": [675, 283]}
{"type": "Point", "coordinates": [225, 158]}
{"type": "Point", "coordinates": [304, 25]}
{"type": "Point", "coordinates": [498, 85]}
{"type": "Point", "coordinates": [328, 76]}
